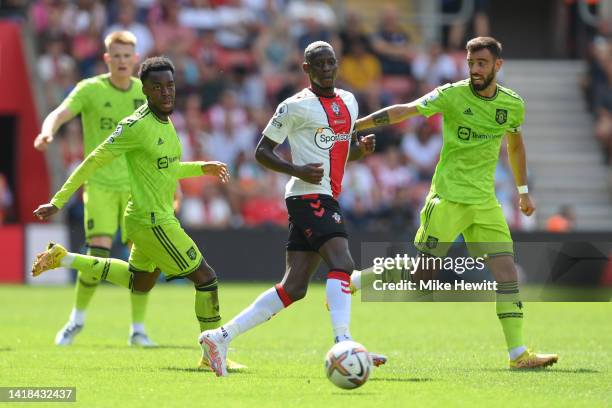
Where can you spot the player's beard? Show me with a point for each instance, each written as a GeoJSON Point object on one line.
{"type": "Point", "coordinates": [486, 82]}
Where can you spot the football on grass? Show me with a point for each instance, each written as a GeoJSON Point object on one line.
{"type": "Point", "coordinates": [348, 364]}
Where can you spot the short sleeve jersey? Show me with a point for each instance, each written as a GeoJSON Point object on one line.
{"type": "Point", "coordinates": [101, 106]}
{"type": "Point", "coordinates": [473, 129]}
{"type": "Point", "coordinates": [319, 131]}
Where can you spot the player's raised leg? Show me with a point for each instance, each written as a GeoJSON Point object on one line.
{"type": "Point", "coordinates": [85, 288]}
{"type": "Point", "coordinates": [300, 267]}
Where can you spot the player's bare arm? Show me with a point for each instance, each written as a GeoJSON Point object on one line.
{"type": "Point", "coordinates": [52, 122]}
{"type": "Point", "coordinates": [388, 116]}
{"type": "Point", "coordinates": [267, 157]}
{"type": "Point", "coordinates": [518, 162]}
{"type": "Point", "coordinates": [362, 146]}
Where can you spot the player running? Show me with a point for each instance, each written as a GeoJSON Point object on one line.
{"type": "Point", "coordinates": [102, 101]}
{"type": "Point", "coordinates": [478, 113]}
{"type": "Point", "coordinates": [319, 123]}
{"type": "Point", "coordinates": [148, 141]}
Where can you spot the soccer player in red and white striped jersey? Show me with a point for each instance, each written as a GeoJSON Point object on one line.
{"type": "Point", "coordinates": [319, 123]}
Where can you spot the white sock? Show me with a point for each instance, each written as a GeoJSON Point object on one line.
{"type": "Point", "coordinates": [77, 317]}
{"type": "Point", "coordinates": [262, 309]}
{"type": "Point", "coordinates": [514, 353]}
{"type": "Point", "coordinates": [339, 303]}
{"type": "Point", "coordinates": [67, 260]}
{"type": "Point", "coordinates": [356, 279]}
{"type": "Point", "coordinates": [138, 328]}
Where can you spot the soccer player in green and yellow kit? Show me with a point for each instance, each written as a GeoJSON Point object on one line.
{"type": "Point", "coordinates": [149, 143]}
{"type": "Point", "coordinates": [102, 101]}
{"type": "Point", "coordinates": [477, 114]}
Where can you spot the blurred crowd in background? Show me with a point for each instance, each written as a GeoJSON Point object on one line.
{"type": "Point", "coordinates": [237, 59]}
{"type": "Point", "coordinates": [598, 86]}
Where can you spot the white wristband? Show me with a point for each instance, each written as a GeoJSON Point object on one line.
{"type": "Point", "coordinates": [523, 189]}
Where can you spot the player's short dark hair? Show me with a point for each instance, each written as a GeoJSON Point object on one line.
{"type": "Point", "coordinates": [154, 64]}
{"type": "Point", "coordinates": [314, 48]}
{"type": "Point", "coordinates": [481, 43]}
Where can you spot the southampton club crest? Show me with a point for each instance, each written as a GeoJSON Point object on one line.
{"type": "Point", "coordinates": [335, 108]}
{"type": "Point", "coordinates": [501, 116]}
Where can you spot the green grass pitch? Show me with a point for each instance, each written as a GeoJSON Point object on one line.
{"type": "Point", "coordinates": [441, 354]}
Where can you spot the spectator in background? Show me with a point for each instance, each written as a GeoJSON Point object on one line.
{"type": "Point", "coordinates": [392, 44]}
{"type": "Point", "coordinates": [166, 27]}
{"type": "Point", "coordinates": [603, 126]}
{"type": "Point", "coordinates": [275, 50]}
{"type": "Point", "coordinates": [300, 12]}
{"type": "Point", "coordinates": [207, 210]}
{"type": "Point", "coordinates": [6, 201]}
{"type": "Point", "coordinates": [231, 131]}
{"type": "Point", "coordinates": [433, 67]}
{"type": "Point", "coordinates": [249, 87]}
{"type": "Point", "coordinates": [422, 145]}
{"type": "Point", "coordinates": [360, 70]}
{"type": "Point", "coordinates": [84, 16]}
{"type": "Point", "coordinates": [56, 69]}
{"type": "Point", "coordinates": [127, 21]}
{"type": "Point", "coordinates": [353, 31]}
{"type": "Point", "coordinates": [455, 35]}
{"type": "Point", "coordinates": [563, 221]}
{"type": "Point", "coordinates": [45, 15]}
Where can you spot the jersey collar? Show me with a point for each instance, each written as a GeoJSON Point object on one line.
{"type": "Point", "coordinates": [476, 94]}
{"type": "Point", "coordinates": [323, 96]}
{"type": "Point", "coordinates": [119, 89]}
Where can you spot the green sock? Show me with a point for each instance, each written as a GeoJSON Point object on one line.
{"type": "Point", "coordinates": [139, 306]}
{"type": "Point", "coordinates": [85, 285]}
{"type": "Point", "coordinates": [510, 313]}
{"type": "Point", "coordinates": [97, 269]}
{"type": "Point", "coordinates": [207, 305]}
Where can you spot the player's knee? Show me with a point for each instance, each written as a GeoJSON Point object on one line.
{"type": "Point", "coordinates": [207, 271]}
{"type": "Point", "coordinates": [295, 291]}
{"type": "Point", "coordinates": [143, 281]}
{"type": "Point", "coordinates": [344, 265]}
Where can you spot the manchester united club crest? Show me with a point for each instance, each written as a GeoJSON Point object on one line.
{"type": "Point", "coordinates": [501, 116]}
{"type": "Point", "coordinates": [431, 242]}
{"type": "Point", "coordinates": [335, 108]}
{"type": "Point", "coordinates": [337, 217]}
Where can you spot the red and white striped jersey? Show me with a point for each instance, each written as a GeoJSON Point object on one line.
{"type": "Point", "coordinates": [319, 130]}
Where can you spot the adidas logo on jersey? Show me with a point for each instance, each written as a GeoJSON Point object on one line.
{"type": "Point", "coordinates": [160, 141]}
{"type": "Point", "coordinates": [468, 111]}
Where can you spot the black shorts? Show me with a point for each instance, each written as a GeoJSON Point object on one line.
{"type": "Point", "coordinates": [314, 219]}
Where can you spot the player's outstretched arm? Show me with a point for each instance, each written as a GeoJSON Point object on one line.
{"type": "Point", "coordinates": [518, 162]}
{"type": "Point", "coordinates": [362, 146]}
{"type": "Point", "coordinates": [267, 157]}
{"type": "Point", "coordinates": [101, 156]}
{"type": "Point", "coordinates": [52, 122]}
{"type": "Point", "coordinates": [388, 116]}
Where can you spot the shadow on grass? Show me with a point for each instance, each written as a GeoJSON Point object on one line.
{"type": "Point", "coordinates": [401, 379]}
{"type": "Point", "coordinates": [197, 370]}
{"type": "Point", "coordinates": [6, 349]}
{"type": "Point", "coordinates": [158, 347]}
{"type": "Point", "coordinates": [543, 370]}
{"type": "Point", "coordinates": [353, 393]}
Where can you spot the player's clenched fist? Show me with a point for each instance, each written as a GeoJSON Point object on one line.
{"type": "Point", "coordinates": [311, 173]}
{"type": "Point", "coordinates": [217, 169]}
{"type": "Point", "coordinates": [367, 144]}
{"type": "Point", "coordinates": [45, 211]}
{"type": "Point", "coordinates": [526, 205]}
{"type": "Point", "coordinates": [42, 142]}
